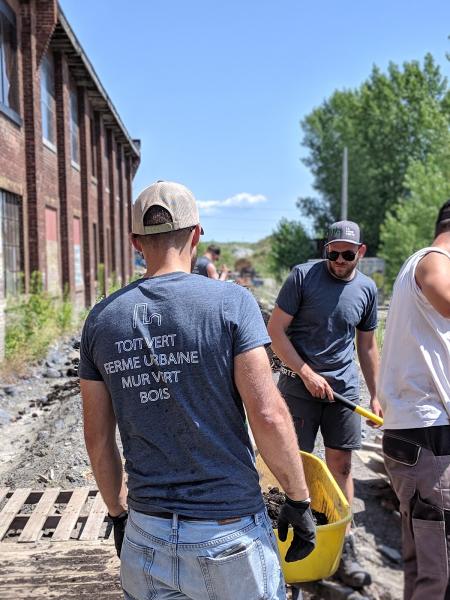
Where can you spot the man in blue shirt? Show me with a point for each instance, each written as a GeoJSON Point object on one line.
{"type": "Point", "coordinates": [205, 264]}
{"type": "Point", "coordinates": [173, 359]}
{"type": "Point", "coordinates": [318, 311]}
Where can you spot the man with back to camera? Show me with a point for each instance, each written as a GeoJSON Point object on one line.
{"type": "Point", "coordinates": [318, 310]}
{"type": "Point", "coordinates": [205, 264]}
{"type": "Point", "coordinates": [414, 391]}
{"type": "Point", "coordinates": [173, 359]}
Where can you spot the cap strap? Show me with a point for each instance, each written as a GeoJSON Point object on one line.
{"type": "Point", "coordinates": [163, 228]}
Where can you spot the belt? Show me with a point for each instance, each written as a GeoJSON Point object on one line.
{"type": "Point", "coordinates": [435, 438]}
{"type": "Point", "coordinates": [169, 515]}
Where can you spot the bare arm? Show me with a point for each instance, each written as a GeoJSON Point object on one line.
{"type": "Point", "coordinates": [283, 348]}
{"type": "Point", "coordinates": [100, 439]}
{"type": "Point", "coordinates": [213, 274]}
{"type": "Point", "coordinates": [433, 278]}
{"type": "Point", "coordinates": [270, 421]}
{"type": "Point", "coordinates": [367, 348]}
{"type": "Point", "coordinates": [212, 271]}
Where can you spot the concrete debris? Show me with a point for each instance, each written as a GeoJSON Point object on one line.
{"type": "Point", "coordinates": [52, 373]}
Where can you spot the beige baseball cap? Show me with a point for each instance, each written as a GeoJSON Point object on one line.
{"type": "Point", "coordinates": [175, 198]}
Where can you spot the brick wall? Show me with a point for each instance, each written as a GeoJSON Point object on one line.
{"type": "Point", "coordinates": [47, 11]}
{"type": "Point", "coordinates": [46, 177]}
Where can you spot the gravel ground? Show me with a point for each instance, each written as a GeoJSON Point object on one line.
{"type": "Point", "coordinates": [42, 446]}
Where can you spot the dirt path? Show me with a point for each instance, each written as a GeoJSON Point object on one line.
{"type": "Point", "coordinates": [42, 446]}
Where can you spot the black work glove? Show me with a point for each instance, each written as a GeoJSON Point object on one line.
{"type": "Point", "coordinates": [299, 515]}
{"type": "Point", "coordinates": [119, 523]}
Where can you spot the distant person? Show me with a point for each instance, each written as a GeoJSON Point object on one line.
{"type": "Point", "coordinates": [178, 362]}
{"type": "Point", "coordinates": [414, 390]}
{"type": "Point", "coordinates": [319, 309]}
{"type": "Point", "coordinates": [205, 264]}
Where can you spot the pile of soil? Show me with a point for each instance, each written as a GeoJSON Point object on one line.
{"type": "Point", "coordinates": [274, 499]}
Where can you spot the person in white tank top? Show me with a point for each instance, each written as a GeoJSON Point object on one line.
{"type": "Point", "coordinates": [414, 392]}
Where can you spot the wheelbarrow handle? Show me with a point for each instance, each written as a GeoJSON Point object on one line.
{"type": "Point", "coordinates": [358, 409]}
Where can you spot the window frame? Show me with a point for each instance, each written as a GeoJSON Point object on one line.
{"type": "Point", "coordinates": [12, 239]}
{"type": "Point", "coordinates": [49, 61]}
{"type": "Point", "coordinates": [93, 143]}
{"type": "Point", "coordinates": [7, 13]}
{"type": "Point", "coordinates": [74, 125]}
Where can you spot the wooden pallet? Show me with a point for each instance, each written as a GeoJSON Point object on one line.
{"type": "Point", "coordinates": [62, 571]}
{"type": "Point", "coordinates": [52, 515]}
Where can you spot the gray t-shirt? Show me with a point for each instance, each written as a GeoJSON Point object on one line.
{"type": "Point", "coordinates": [164, 346]}
{"type": "Point", "coordinates": [201, 266]}
{"type": "Point", "coordinates": [326, 312]}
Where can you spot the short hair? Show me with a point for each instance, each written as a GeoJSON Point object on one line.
{"type": "Point", "coordinates": [443, 219]}
{"type": "Point", "coordinates": [214, 249]}
{"type": "Point", "coordinates": [158, 215]}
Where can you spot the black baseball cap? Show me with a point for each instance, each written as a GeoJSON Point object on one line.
{"type": "Point", "coordinates": [444, 213]}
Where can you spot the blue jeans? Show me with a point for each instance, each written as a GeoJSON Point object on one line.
{"type": "Point", "coordinates": [172, 559]}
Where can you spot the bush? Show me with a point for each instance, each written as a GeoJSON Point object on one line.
{"type": "Point", "coordinates": [290, 246]}
{"type": "Point", "coordinates": [410, 225]}
{"type": "Point", "coordinates": [34, 321]}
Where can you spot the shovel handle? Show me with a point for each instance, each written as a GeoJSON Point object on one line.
{"type": "Point", "coordinates": [358, 409]}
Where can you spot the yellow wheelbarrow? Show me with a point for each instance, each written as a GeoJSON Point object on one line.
{"type": "Point", "coordinates": [327, 498]}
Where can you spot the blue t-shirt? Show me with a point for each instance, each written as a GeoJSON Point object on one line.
{"type": "Point", "coordinates": [164, 346]}
{"type": "Point", "coordinates": [326, 312]}
{"type": "Point", "coordinates": [201, 266]}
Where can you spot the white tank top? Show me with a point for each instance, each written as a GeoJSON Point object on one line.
{"type": "Point", "coordinates": [414, 382]}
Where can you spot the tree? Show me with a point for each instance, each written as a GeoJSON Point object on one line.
{"type": "Point", "coordinates": [290, 246]}
{"type": "Point", "coordinates": [409, 226]}
{"type": "Point", "coordinates": [392, 120]}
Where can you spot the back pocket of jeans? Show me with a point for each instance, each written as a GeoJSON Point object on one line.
{"type": "Point", "coordinates": [236, 576]}
{"type": "Point", "coordinates": [402, 451]}
{"type": "Point", "coordinates": [135, 564]}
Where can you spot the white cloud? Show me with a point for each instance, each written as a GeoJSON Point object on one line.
{"type": "Point", "coordinates": [242, 199]}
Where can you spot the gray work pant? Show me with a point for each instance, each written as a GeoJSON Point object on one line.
{"type": "Point", "coordinates": [423, 490]}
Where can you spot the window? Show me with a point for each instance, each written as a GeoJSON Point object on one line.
{"type": "Point", "coordinates": [9, 81]}
{"type": "Point", "coordinates": [106, 155]}
{"type": "Point", "coordinates": [109, 247]}
{"type": "Point", "coordinates": [95, 242]}
{"type": "Point", "coordinates": [52, 272]}
{"type": "Point", "coordinates": [118, 158]}
{"type": "Point", "coordinates": [74, 126]}
{"type": "Point", "coordinates": [48, 110]}
{"type": "Point", "coordinates": [78, 273]}
{"type": "Point", "coordinates": [93, 147]}
{"type": "Point", "coordinates": [10, 211]}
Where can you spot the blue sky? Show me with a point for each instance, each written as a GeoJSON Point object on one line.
{"type": "Point", "coordinates": [216, 90]}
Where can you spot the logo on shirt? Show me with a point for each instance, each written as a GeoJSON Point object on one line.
{"type": "Point", "coordinates": [141, 315]}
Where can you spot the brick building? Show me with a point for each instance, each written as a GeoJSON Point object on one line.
{"type": "Point", "coordinates": [66, 160]}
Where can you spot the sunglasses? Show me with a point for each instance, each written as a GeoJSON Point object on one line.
{"type": "Point", "coordinates": [347, 255]}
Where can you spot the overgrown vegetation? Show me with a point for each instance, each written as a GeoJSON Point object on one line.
{"type": "Point", "coordinates": [34, 321]}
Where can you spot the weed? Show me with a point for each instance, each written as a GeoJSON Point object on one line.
{"type": "Point", "coordinates": [34, 321]}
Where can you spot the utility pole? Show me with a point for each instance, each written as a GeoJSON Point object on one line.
{"type": "Point", "coordinates": [344, 196]}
